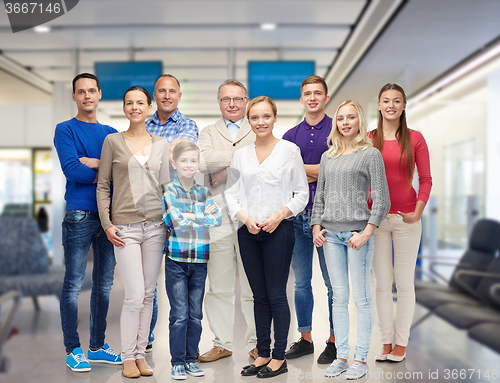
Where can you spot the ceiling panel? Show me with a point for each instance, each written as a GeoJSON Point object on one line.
{"type": "Point", "coordinates": [201, 42]}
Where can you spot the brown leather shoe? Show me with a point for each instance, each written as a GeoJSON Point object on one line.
{"type": "Point", "coordinates": [214, 354]}
{"type": "Point", "coordinates": [254, 353]}
{"type": "Point", "coordinates": [130, 370]}
{"type": "Point", "coordinates": [144, 368]}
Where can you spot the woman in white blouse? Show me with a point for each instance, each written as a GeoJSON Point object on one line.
{"type": "Point", "coordinates": [268, 186]}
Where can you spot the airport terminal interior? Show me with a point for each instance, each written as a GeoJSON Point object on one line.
{"type": "Point", "coordinates": [444, 53]}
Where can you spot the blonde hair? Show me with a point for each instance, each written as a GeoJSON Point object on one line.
{"type": "Point", "coordinates": [258, 99]}
{"type": "Point", "coordinates": [335, 140]}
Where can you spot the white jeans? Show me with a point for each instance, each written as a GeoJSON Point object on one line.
{"type": "Point", "coordinates": [139, 263]}
{"type": "Point", "coordinates": [220, 298]}
{"type": "Point", "coordinates": [406, 239]}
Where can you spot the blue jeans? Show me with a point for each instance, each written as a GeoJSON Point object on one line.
{"type": "Point", "coordinates": [154, 318]}
{"type": "Point", "coordinates": [302, 262]}
{"type": "Point", "coordinates": [80, 229]}
{"type": "Point", "coordinates": [339, 258]}
{"type": "Point", "coordinates": [185, 283]}
{"type": "Point", "coordinates": [266, 258]}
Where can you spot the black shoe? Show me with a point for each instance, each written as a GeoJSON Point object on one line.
{"type": "Point", "coordinates": [299, 348]}
{"type": "Point", "coordinates": [252, 369]}
{"type": "Point", "coordinates": [329, 354]}
{"type": "Point", "coordinates": [149, 348]}
{"type": "Point", "coordinates": [266, 372]}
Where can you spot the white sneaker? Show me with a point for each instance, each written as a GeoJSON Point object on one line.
{"type": "Point", "coordinates": [356, 371]}
{"type": "Point", "coordinates": [336, 368]}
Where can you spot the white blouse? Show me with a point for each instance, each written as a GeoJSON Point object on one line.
{"type": "Point", "coordinates": [262, 190]}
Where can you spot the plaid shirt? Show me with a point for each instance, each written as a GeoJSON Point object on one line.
{"type": "Point", "coordinates": [176, 126]}
{"type": "Point", "coordinates": [189, 240]}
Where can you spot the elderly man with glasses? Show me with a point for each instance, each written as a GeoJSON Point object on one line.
{"type": "Point", "coordinates": [218, 142]}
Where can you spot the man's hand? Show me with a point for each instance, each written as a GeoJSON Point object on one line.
{"type": "Point", "coordinates": [311, 179]}
{"type": "Point", "coordinates": [312, 172]}
{"type": "Point", "coordinates": [218, 178]}
{"type": "Point", "coordinates": [92, 163]}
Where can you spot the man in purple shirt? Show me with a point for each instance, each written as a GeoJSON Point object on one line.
{"type": "Point", "coordinates": [311, 137]}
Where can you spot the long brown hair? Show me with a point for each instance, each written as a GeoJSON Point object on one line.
{"type": "Point", "coordinates": [402, 133]}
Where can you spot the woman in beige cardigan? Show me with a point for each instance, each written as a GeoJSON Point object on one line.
{"type": "Point", "coordinates": [138, 164]}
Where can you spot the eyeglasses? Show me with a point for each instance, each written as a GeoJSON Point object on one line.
{"type": "Point", "coordinates": [236, 100]}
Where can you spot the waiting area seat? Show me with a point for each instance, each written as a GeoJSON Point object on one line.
{"type": "Point", "coordinates": [482, 248]}
{"type": "Point", "coordinates": [471, 299]}
{"type": "Point", "coordinates": [24, 261]}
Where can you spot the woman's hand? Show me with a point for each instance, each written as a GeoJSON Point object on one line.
{"type": "Point", "coordinates": [357, 240]}
{"type": "Point", "coordinates": [409, 217]}
{"type": "Point", "coordinates": [318, 236]}
{"type": "Point", "coordinates": [252, 225]}
{"type": "Point", "coordinates": [113, 238]}
{"type": "Point", "coordinates": [271, 223]}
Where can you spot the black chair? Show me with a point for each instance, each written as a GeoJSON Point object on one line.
{"type": "Point", "coordinates": [483, 245]}
{"type": "Point", "coordinates": [488, 334]}
{"type": "Point", "coordinates": [462, 315]}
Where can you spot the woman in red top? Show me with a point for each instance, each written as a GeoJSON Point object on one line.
{"type": "Point", "coordinates": [402, 149]}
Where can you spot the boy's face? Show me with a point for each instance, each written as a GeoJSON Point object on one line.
{"type": "Point", "coordinates": [187, 164]}
{"type": "Point", "coordinates": [314, 97]}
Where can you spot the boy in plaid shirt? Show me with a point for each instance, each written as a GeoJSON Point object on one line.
{"type": "Point", "coordinates": [188, 211]}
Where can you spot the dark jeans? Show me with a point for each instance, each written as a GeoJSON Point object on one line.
{"type": "Point", "coordinates": [302, 265]}
{"type": "Point", "coordinates": [266, 258]}
{"type": "Point", "coordinates": [80, 229]}
{"type": "Point", "coordinates": [185, 283]}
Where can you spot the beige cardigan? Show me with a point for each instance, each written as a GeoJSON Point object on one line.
{"type": "Point", "coordinates": [217, 148]}
{"type": "Point", "coordinates": [137, 189]}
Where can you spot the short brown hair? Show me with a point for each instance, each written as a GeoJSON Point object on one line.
{"type": "Point", "coordinates": [184, 146]}
{"type": "Point", "coordinates": [314, 80]}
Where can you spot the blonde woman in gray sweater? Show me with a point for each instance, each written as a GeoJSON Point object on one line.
{"type": "Point", "coordinates": [344, 226]}
{"type": "Point", "coordinates": [138, 164]}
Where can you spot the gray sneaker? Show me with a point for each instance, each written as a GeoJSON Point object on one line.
{"type": "Point", "coordinates": [336, 368]}
{"type": "Point", "coordinates": [356, 371]}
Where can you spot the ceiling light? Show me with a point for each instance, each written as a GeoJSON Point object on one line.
{"type": "Point", "coordinates": [42, 29]}
{"type": "Point", "coordinates": [268, 27]}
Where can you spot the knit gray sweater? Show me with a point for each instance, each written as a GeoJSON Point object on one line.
{"type": "Point", "coordinates": [343, 189]}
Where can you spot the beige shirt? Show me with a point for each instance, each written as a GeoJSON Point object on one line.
{"type": "Point", "coordinates": [137, 189]}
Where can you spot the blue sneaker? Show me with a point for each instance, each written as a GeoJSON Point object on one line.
{"type": "Point", "coordinates": [178, 372]}
{"type": "Point", "coordinates": [104, 355]}
{"type": "Point", "coordinates": [193, 370]}
{"type": "Point", "coordinates": [77, 361]}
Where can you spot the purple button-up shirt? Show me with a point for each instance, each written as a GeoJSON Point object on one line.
{"type": "Point", "coordinates": [312, 143]}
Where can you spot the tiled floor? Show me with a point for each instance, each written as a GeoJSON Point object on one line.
{"type": "Point", "coordinates": [436, 349]}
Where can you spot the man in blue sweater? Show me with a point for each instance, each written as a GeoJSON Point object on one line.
{"type": "Point", "coordinates": [78, 143]}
